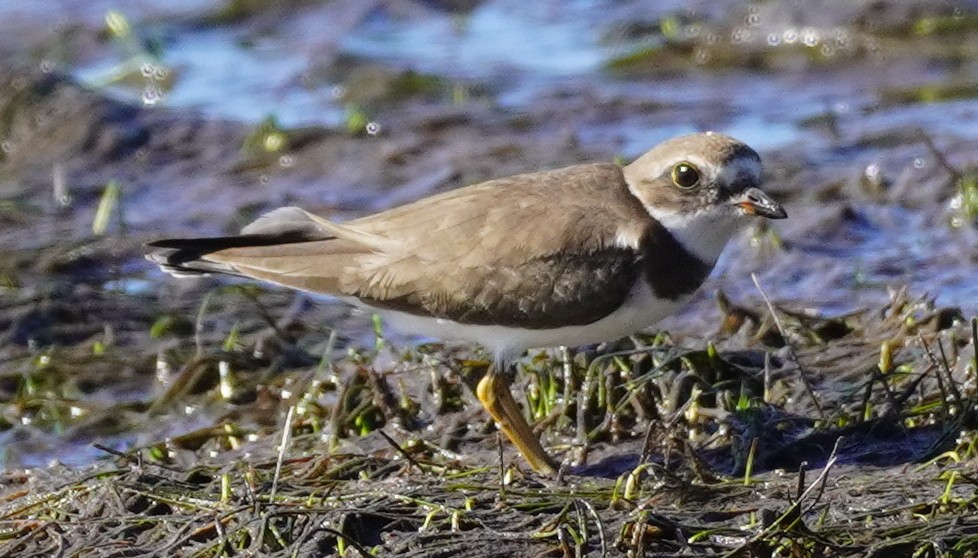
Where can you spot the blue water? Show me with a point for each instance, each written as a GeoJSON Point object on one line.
{"type": "Point", "coordinates": [217, 75]}
{"type": "Point", "coordinates": [522, 52]}
{"type": "Point", "coordinates": [542, 40]}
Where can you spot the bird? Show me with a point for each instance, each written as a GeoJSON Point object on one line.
{"type": "Point", "coordinates": [568, 257]}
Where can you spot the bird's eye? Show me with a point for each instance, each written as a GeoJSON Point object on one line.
{"type": "Point", "coordinates": [685, 175]}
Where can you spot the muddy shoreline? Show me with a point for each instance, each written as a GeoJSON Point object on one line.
{"type": "Point", "coordinates": [114, 133]}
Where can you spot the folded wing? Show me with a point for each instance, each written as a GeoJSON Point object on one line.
{"type": "Point", "coordinates": [489, 253]}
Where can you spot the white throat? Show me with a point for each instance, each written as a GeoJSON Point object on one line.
{"type": "Point", "coordinates": [704, 233]}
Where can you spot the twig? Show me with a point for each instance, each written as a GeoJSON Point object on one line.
{"type": "Point", "coordinates": [401, 451]}
{"type": "Point", "coordinates": [794, 511]}
{"type": "Point", "coordinates": [791, 348]}
{"type": "Point", "coordinates": [647, 443]}
{"type": "Point", "coordinates": [767, 378]}
{"type": "Point", "coordinates": [199, 323]}
{"type": "Point", "coordinates": [286, 436]}
{"type": "Point", "coordinates": [802, 470]}
{"type": "Point", "coordinates": [136, 459]}
{"type": "Point", "coordinates": [939, 156]}
{"type": "Point", "coordinates": [974, 338]}
{"type": "Point", "coordinates": [896, 402]}
{"type": "Point", "coordinates": [823, 477]}
{"type": "Point", "coordinates": [267, 316]}
{"type": "Point", "coordinates": [583, 394]}
{"type": "Point", "coordinates": [952, 387]}
{"type": "Point", "coordinates": [502, 468]}
{"type": "Point", "coordinates": [602, 539]}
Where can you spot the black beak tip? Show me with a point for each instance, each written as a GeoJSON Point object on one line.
{"type": "Point", "coordinates": [756, 202]}
{"type": "Point", "coordinates": [776, 211]}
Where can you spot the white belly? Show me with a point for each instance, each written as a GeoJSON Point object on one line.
{"type": "Point", "coordinates": [641, 309]}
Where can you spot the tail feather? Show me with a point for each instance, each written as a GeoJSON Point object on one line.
{"type": "Point", "coordinates": [183, 257]}
{"type": "Point", "coordinates": [287, 246]}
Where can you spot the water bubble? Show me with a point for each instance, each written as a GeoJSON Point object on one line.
{"type": "Point", "coordinates": [263, 179]}
{"type": "Point", "coordinates": [828, 51]}
{"type": "Point", "coordinates": [373, 128]}
{"type": "Point", "coordinates": [790, 35]}
{"type": "Point", "coordinates": [740, 35]}
{"type": "Point", "coordinates": [702, 55]}
{"type": "Point", "coordinates": [693, 30]}
{"type": "Point", "coordinates": [842, 107]}
{"type": "Point", "coordinates": [842, 36]}
{"type": "Point", "coordinates": [872, 170]}
{"type": "Point", "coordinates": [919, 163]}
{"type": "Point", "coordinates": [47, 66]}
{"type": "Point", "coordinates": [752, 20]}
{"type": "Point", "coordinates": [160, 73]}
{"type": "Point", "coordinates": [338, 92]}
{"type": "Point", "coordinates": [286, 161]}
{"type": "Point", "coordinates": [809, 36]}
{"type": "Point", "coordinates": [152, 95]}
{"type": "Point", "coordinates": [6, 146]}
{"type": "Point", "coordinates": [146, 68]}
{"type": "Point", "coordinates": [773, 39]}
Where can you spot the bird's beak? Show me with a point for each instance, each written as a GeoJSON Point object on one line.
{"type": "Point", "coordinates": [753, 201]}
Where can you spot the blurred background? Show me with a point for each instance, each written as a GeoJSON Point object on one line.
{"type": "Point", "coordinates": [125, 122]}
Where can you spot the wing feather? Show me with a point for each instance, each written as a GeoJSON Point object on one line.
{"type": "Point", "coordinates": [536, 250]}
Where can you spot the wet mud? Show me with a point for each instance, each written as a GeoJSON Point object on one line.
{"type": "Point", "coordinates": [836, 419]}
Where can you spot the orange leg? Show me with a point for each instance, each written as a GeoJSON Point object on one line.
{"type": "Point", "coordinates": [493, 391]}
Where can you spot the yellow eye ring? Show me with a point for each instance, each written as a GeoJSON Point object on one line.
{"type": "Point", "coordinates": [685, 175]}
